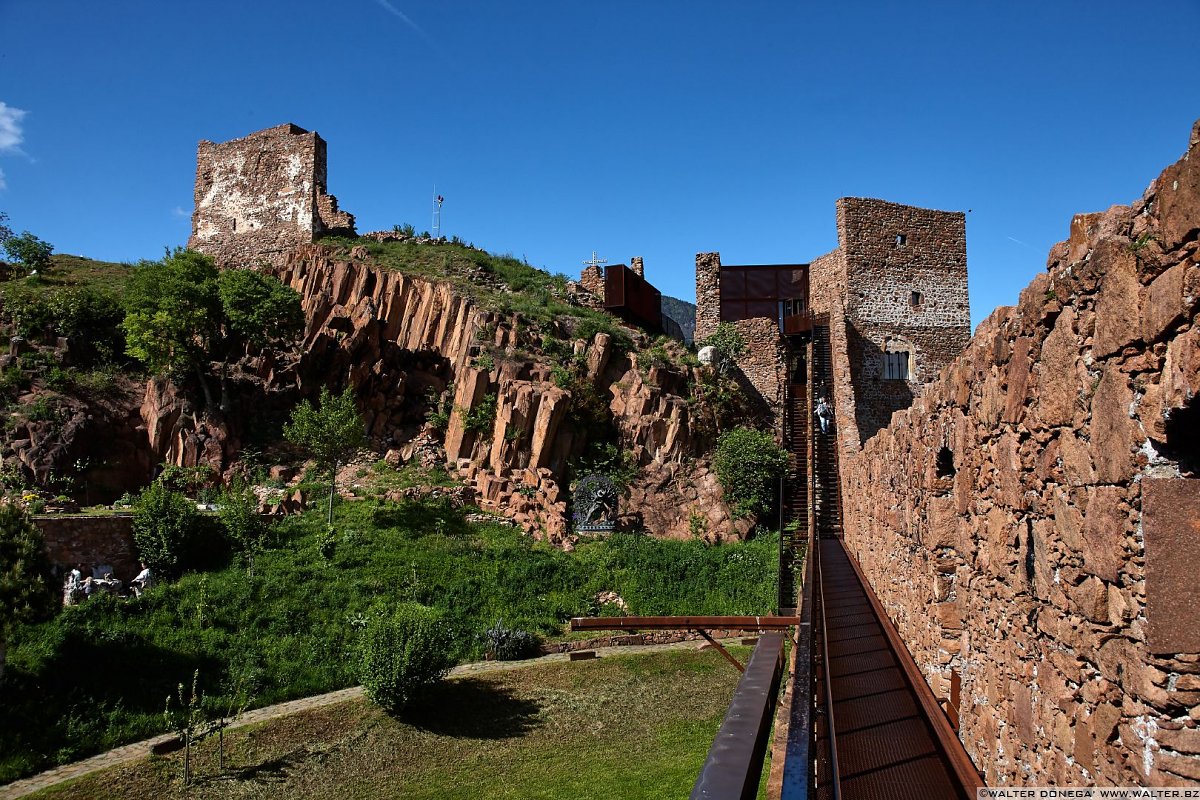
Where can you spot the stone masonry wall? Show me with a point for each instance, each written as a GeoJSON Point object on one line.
{"type": "Point", "coordinates": [91, 541]}
{"type": "Point", "coordinates": [592, 279]}
{"type": "Point", "coordinates": [259, 196]}
{"type": "Point", "coordinates": [891, 251]}
{"type": "Point", "coordinates": [708, 294]}
{"type": "Point", "coordinates": [1030, 524]}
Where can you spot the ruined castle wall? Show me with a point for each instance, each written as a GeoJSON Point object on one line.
{"type": "Point", "coordinates": [765, 362]}
{"type": "Point", "coordinates": [259, 196]}
{"type": "Point", "coordinates": [708, 294]}
{"type": "Point", "coordinates": [905, 291]}
{"type": "Point", "coordinates": [1030, 524]}
{"type": "Point", "coordinates": [592, 279]}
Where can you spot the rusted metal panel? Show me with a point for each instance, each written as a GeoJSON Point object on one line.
{"type": "Point", "coordinates": [734, 763]}
{"type": "Point", "coordinates": [764, 623]}
{"type": "Point", "coordinates": [749, 291]}
{"type": "Point", "coordinates": [631, 296]}
{"type": "Point", "coordinates": [1171, 530]}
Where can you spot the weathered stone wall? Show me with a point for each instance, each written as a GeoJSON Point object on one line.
{"type": "Point", "coordinates": [1030, 525]}
{"type": "Point", "coordinates": [91, 541]}
{"type": "Point", "coordinates": [592, 279]}
{"type": "Point", "coordinates": [708, 294]}
{"type": "Point", "coordinates": [905, 291]}
{"type": "Point", "coordinates": [765, 363]}
{"type": "Point", "coordinates": [259, 196]}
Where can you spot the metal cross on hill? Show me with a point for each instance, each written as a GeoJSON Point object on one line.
{"type": "Point", "coordinates": [595, 262]}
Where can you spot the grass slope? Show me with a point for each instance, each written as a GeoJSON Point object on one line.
{"type": "Point", "coordinates": [99, 674]}
{"type": "Point", "coordinates": [622, 726]}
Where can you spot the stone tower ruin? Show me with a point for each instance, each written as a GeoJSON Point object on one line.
{"type": "Point", "coordinates": [259, 196]}
{"type": "Point", "coordinates": [894, 293]}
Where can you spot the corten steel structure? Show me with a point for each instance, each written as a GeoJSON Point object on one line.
{"type": "Point", "coordinates": [632, 297]}
{"type": "Point", "coordinates": [776, 291]}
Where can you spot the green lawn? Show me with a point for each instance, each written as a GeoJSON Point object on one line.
{"type": "Point", "coordinates": [98, 675]}
{"type": "Point", "coordinates": [635, 726]}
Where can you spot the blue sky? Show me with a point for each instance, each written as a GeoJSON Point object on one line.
{"type": "Point", "coordinates": [648, 128]}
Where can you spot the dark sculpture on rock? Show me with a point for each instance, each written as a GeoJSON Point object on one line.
{"type": "Point", "coordinates": [595, 504]}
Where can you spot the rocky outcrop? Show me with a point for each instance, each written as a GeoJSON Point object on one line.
{"type": "Point", "coordinates": [409, 345]}
{"type": "Point", "coordinates": [1024, 522]}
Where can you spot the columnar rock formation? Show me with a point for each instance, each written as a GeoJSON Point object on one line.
{"type": "Point", "coordinates": [401, 340]}
{"type": "Point", "coordinates": [261, 195]}
{"type": "Point", "coordinates": [1030, 524]}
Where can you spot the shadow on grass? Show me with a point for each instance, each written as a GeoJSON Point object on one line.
{"type": "Point", "coordinates": [473, 709]}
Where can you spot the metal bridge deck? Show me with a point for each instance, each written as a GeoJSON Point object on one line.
{"type": "Point", "coordinates": [886, 744]}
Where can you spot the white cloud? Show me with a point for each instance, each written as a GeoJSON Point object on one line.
{"type": "Point", "coordinates": [11, 134]}
{"type": "Point", "coordinates": [179, 212]}
{"type": "Point", "coordinates": [3, 184]}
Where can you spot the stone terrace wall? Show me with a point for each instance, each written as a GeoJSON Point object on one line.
{"type": "Point", "coordinates": [889, 252]}
{"type": "Point", "coordinates": [1052, 564]}
{"type": "Point", "coordinates": [259, 196]}
{"type": "Point", "coordinates": [91, 541]}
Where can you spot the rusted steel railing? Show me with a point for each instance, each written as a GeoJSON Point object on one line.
{"type": "Point", "coordinates": [734, 763]}
{"type": "Point", "coordinates": [797, 767]}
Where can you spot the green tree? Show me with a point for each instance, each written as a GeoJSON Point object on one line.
{"type": "Point", "coordinates": [747, 463]}
{"type": "Point", "coordinates": [28, 250]}
{"type": "Point", "coordinates": [166, 527]}
{"type": "Point", "coordinates": [183, 315]}
{"type": "Point", "coordinates": [329, 432]}
{"type": "Point", "coordinates": [5, 231]}
{"type": "Point", "coordinates": [25, 594]}
{"type": "Point", "coordinates": [404, 651]}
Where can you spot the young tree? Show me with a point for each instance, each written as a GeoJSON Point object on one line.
{"type": "Point", "coordinates": [25, 593]}
{"type": "Point", "coordinates": [28, 250]}
{"type": "Point", "coordinates": [5, 231]}
{"type": "Point", "coordinates": [747, 463]}
{"type": "Point", "coordinates": [238, 512]}
{"type": "Point", "coordinates": [183, 315]}
{"type": "Point", "coordinates": [330, 433]}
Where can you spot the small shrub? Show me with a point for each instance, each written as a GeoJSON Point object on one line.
{"type": "Point", "coordinates": [561, 376]}
{"type": "Point", "coordinates": [729, 344]}
{"type": "Point", "coordinates": [403, 652]}
{"type": "Point", "coordinates": [747, 463]}
{"type": "Point", "coordinates": [509, 644]}
{"type": "Point", "coordinates": [485, 361]}
{"type": "Point", "coordinates": [166, 527]}
{"type": "Point", "coordinates": [482, 416]}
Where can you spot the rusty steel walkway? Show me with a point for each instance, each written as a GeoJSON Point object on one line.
{"type": "Point", "coordinates": [879, 732]}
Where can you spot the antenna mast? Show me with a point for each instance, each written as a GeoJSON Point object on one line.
{"type": "Point", "coordinates": [437, 213]}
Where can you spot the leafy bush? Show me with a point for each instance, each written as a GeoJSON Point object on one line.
{"type": "Point", "coordinates": [403, 652]}
{"type": "Point", "coordinates": [166, 529]}
{"type": "Point", "coordinates": [729, 345]}
{"type": "Point", "coordinates": [509, 644]}
{"type": "Point", "coordinates": [482, 416]}
{"type": "Point", "coordinates": [747, 463]}
{"type": "Point", "coordinates": [24, 573]}
{"type": "Point", "coordinates": [90, 317]}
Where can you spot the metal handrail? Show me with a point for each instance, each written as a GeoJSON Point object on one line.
{"type": "Point", "coordinates": [835, 780]}
{"type": "Point", "coordinates": [798, 761]}
{"type": "Point", "coordinates": [733, 767]}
